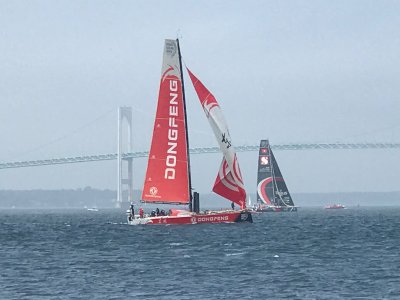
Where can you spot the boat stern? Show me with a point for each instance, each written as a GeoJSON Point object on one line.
{"type": "Point", "coordinates": [244, 216]}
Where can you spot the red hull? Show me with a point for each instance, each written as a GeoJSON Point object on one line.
{"type": "Point", "coordinates": [212, 217]}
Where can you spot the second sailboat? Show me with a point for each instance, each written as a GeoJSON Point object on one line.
{"type": "Point", "coordinates": [272, 193]}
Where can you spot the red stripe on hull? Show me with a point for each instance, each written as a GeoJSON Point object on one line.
{"type": "Point", "coordinates": [217, 217]}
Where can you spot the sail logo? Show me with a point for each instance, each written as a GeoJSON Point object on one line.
{"type": "Point", "coordinates": [264, 160]}
{"type": "Point", "coordinates": [212, 219]}
{"type": "Point", "coordinates": [226, 140]}
{"type": "Point", "coordinates": [281, 193]}
{"type": "Point", "coordinates": [153, 191]}
{"type": "Point", "coordinates": [170, 161]}
{"type": "Point", "coordinates": [208, 105]}
{"type": "Point", "coordinates": [170, 47]}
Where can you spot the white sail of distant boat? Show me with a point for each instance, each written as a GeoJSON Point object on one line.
{"type": "Point", "coordinates": [249, 204]}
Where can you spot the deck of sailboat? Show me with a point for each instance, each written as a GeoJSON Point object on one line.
{"type": "Point", "coordinates": [277, 209]}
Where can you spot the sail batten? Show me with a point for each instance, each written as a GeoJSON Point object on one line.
{"type": "Point", "coordinates": [229, 182]}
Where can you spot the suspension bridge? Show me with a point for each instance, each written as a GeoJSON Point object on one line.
{"type": "Point", "coordinates": [125, 155]}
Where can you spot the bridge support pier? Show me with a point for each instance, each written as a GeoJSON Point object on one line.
{"type": "Point", "coordinates": [125, 164]}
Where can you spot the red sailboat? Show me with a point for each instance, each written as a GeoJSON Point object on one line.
{"type": "Point", "coordinates": [168, 178]}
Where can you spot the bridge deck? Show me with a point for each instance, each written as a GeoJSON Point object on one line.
{"type": "Point", "coordinates": [100, 157]}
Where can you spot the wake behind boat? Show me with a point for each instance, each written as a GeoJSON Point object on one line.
{"type": "Point", "coordinates": [272, 193]}
{"type": "Point", "coordinates": [168, 177]}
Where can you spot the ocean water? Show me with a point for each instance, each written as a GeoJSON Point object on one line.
{"type": "Point", "coordinates": [311, 254]}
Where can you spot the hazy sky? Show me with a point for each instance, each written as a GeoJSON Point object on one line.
{"type": "Point", "coordinates": [290, 71]}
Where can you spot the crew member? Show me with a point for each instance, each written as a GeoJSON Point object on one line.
{"type": "Point", "coordinates": [141, 213]}
{"type": "Point", "coordinates": [132, 211]}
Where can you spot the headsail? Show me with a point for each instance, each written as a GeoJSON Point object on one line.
{"type": "Point", "coordinates": [229, 182]}
{"type": "Point", "coordinates": [282, 195]}
{"type": "Point", "coordinates": [271, 187]}
{"type": "Point", "coordinates": [167, 176]}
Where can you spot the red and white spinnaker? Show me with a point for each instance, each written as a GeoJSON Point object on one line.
{"type": "Point", "coordinates": [229, 182]}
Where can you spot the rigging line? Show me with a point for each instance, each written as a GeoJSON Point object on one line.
{"type": "Point", "coordinates": [65, 135]}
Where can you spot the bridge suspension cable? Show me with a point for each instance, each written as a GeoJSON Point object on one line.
{"type": "Point", "coordinates": [100, 157]}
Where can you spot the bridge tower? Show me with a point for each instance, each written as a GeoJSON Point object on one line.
{"type": "Point", "coordinates": [125, 164]}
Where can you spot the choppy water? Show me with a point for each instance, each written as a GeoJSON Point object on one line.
{"type": "Point", "coordinates": [311, 254]}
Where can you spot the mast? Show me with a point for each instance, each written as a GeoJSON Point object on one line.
{"type": "Point", "coordinates": [273, 176]}
{"type": "Point", "coordinates": [186, 127]}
